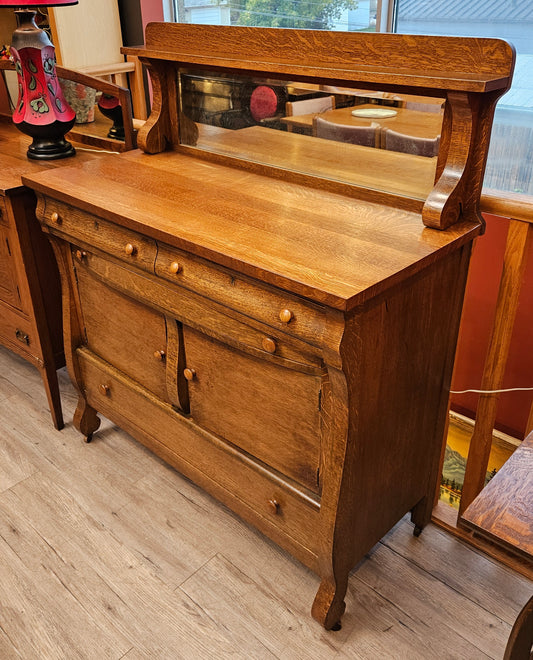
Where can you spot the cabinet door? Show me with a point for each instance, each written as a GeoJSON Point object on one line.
{"type": "Point", "coordinates": [9, 291]}
{"type": "Point", "coordinates": [270, 411]}
{"type": "Point", "coordinates": [124, 332]}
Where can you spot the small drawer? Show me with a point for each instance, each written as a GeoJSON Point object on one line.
{"type": "Point", "coordinates": [16, 331]}
{"type": "Point", "coordinates": [266, 304]}
{"type": "Point", "coordinates": [89, 230]}
{"type": "Point", "coordinates": [279, 509]}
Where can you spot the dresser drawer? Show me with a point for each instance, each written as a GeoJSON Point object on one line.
{"type": "Point", "coordinates": [16, 332]}
{"type": "Point", "coordinates": [288, 515]}
{"type": "Point", "coordinates": [87, 230]}
{"type": "Point", "coordinates": [269, 305]}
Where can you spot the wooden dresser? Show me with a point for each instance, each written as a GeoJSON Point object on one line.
{"type": "Point", "coordinates": [276, 314]}
{"type": "Point", "coordinates": [30, 297]}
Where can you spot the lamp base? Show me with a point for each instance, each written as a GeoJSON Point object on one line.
{"type": "Point", "coordinates": [46, 145]}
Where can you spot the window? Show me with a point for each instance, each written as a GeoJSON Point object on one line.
{"type": "Point", "coordinates": [510, 163]}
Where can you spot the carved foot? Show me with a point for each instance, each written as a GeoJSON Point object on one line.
{"type": "Point", "coordinates": [417, 530]}
{"type": "Point", "coordinates": [86, 419]}
{"type": "Point", "coordinates": [329, 605]}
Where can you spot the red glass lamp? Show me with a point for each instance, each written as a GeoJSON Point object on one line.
{"type": "Point", "coordinates": [41, 111]}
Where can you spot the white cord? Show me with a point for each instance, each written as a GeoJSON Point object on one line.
{"type": "Point", "coordinates": [96, 151]}
{"type": "Point", "coordinates": [511, 389]}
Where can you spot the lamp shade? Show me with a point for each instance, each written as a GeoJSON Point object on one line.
{"type": "Point", "coordinates": [37, 3]}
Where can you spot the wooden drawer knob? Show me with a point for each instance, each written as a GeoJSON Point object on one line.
{"type": "Point", "coordinates": [81, 255]}
{"type": "Point", "coordinates": [55, 218]}
{"type": "Point", "coordinates": [273, 506]}
{"type": "Point", "coordinates": [190, 374]}
{"type": "Point", "coordinates": [268, 344]}
{"type": "Point", "coordinates": [286, 315]}
{"type": "Point", "coordinates": [130, 249]}
{"type": "Point", "coordinates": [104, 389]}
{"type": "Point", "coordinates": [175, 268]}
{"type": "Point", "coordinates": [160, 355]}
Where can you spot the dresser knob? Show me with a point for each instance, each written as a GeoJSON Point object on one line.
{"type": "Point", "coordinates": [273, 506]}
{"type": "Point", "coordinates": [130, 249]}
{"type": "Point", "coordinates": [190, 374]}
{"type": "Point", "coordinates": [55, 218]}
{"type": "Point", "coordinates": [286, 315]}
{"type": "Point", "coordinates": [81, 255]}
{"type": "Point", "coordinates": [175, 268]}
{"type": "Point", "coordinates": [160, 355]}
{"type": "Point", "coordinates": [268, 344]}
{"type": "Point", "coordinates": [104, 389]}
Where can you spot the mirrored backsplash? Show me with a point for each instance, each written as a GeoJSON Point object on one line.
{"type": "Point", "coordinates": [378, 140]}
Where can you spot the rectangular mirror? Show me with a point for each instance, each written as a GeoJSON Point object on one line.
{"type": "Point", "coordinates": [367, 138]}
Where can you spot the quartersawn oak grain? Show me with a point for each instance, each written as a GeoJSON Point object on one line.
{"type": "Point", "coordinates": [321, 427]}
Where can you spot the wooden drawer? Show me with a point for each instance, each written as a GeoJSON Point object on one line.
{"type": "Point", "coordinates": [197, 311]}
{"type": "Point", "coordinates": [16, 332]}
{"type": "Point", "coordinates": [9, 290]}
{"type": "Point", "coordinates": [124, 332]}
{"type": "Point", "coordinates": [288, 515]}
{"type": "Point", "coordinates": [269, 305]}
{"type": "Point", "coordinates": [268, 410]}
{"type": "Point", "coordinates": [87, 230]}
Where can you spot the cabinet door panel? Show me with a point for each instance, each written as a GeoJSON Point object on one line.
{"type": "Point", "coordinates": [9, 292]}
{"type": "Point", "coordinates": [124, 332]}
{"type": "Point", "coordinates": [270, 411]}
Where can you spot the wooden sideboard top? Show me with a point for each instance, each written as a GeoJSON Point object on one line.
{"type": "Point", "coordinates": [15, 163]}
{"type": "Point", "coordinates": [333, 249]}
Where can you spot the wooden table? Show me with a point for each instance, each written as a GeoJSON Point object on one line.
{"type": "Point", "coordinates": [391, 171]}
{"type": "Point", "coordinates": [503, 513]}
{"type": "Point", "coordinates": [410, 122]}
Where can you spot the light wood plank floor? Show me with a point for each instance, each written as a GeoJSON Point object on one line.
{"type": "Point", "coordinates": [105, 552]}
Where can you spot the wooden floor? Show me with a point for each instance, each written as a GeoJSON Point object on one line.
{"type": "Point", "coordinates": [105, 552]}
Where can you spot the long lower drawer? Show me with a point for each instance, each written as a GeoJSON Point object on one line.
{"type": "Point", "coordinates": [288, 515]}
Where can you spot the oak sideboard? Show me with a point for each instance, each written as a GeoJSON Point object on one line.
{"type": "Point", "coordinates": [276, 314]}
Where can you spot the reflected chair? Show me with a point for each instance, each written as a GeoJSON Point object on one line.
{"type": "Point", "coordinates": [409, 144]}
{"type": "Point", "coordinates": [366, 136]}
{"type": "Point", "coordinates": [424, 107]}
{"type": "Point", "coordinates": [308, 107]}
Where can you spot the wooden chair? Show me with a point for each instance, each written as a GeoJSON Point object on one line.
{"type": "Point", "coordinates": [423, 107]}
{"type": "Point", "coordinates": [366, 136]}
{"type": "Point", "coordinates": [409, 144]}
{"type": "Point", "coordinates": [308, 107]}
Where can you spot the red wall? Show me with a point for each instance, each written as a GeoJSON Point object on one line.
{"type": "Point", "coordinates": [478, 316]}
{"type": "Point", "coordinates": [151, 10]}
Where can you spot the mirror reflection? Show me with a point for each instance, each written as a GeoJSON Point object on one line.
{"type": "Point", "coordinates": [364, 137]}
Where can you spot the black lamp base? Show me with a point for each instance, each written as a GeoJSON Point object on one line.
{"type": "Point", "coordinates": [48, 141]}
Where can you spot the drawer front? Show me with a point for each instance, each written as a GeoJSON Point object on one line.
{"type": "Point", "coordinates": [285, 514]}
{"type": "Point", "coordinates": [199, 312]}
{"type": "Point", "coordinates": [90, 231]}
{"type": "Point", "coordinates": [124, 332]}
{"type": "Point", "coordinates": [274, 307]}
{"type": "Point", "coordinates": [9, 291]}
{"type": "Point", "coordinates": [16, 332]}
{"type": "Point", "coordinates": [269, 411]}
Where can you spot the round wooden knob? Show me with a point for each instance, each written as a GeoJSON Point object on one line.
{"type": "Point", "coordinates": [174, 267]}
{"type": "Point", "coordinates": [273, 506]}
{"type": "Point", "coordinates": [285, 315]}
{"type": "Point", "coordinates": [160, 355]}
{"type": "Point", "coordinates": [81, 254]}
{"type": "Point", "coordinates": [130, 249]}
{"type": "Point", "coordinates": [190, 374]}
{"type": "Point", "coordinates": [268, 344]}
{"type": "Point", "coordinates": [104, 389]}
{"type": "Point", "coordinates": [55, 218]}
